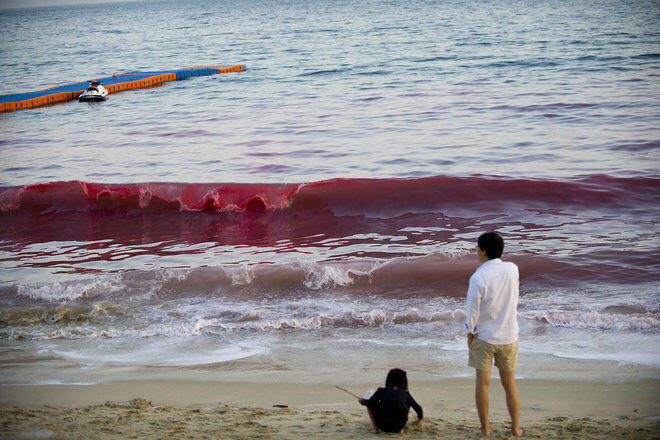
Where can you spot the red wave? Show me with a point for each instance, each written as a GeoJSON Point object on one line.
{"type": "Point", "coordinates": [352, 195]}
{"type": "Point", "coordinates": [360, 195]}
{"type": "Point", "coordinates": [77, 196]}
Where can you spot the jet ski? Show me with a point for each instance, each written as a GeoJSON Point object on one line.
{"type": "Point", "coordinates": [95, 92]}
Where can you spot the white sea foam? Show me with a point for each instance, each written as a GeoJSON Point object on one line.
{"type": "Point", "coordinates": [595, 320]}
{"type": "Point", "coordinates": [48, 382]}
{"type": "Point", "coordinates": [240, 275]}
{"type": "Point", "coordinates": [202, 316]}
{"type": "Point", "coordinates": [270, 321]}
{"type": "Point", "coordinates": [102, 286]}
{"type": "Point", "coordinates": [253, 315]}
{"type": "Point", "coordinates": [321, 276]}
{"type": "Point", "coordinates": [155, 352]}
{"type": "Point", "coordinates": [202, 324]}
{"type": "Point", "coordinates": [649, 359]}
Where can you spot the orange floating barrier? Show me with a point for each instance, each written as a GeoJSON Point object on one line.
{"type": "Point", "coordinates": [113, 84]}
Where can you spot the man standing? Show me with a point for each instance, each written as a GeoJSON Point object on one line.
{"type": "Point", "coordinates": [492, 325]}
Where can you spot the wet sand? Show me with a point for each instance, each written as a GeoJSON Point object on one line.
{"type": "Point", "coordinates": [234, 410]}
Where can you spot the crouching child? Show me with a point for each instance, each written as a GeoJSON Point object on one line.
{"type": "Point", "coordinates": [389, 406]}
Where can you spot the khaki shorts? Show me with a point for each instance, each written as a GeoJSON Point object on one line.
{"type": "Point", "coordinates": [482, 353]}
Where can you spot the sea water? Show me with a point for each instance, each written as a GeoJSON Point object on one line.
{"type": "Point", "coordinates": [315, 217]}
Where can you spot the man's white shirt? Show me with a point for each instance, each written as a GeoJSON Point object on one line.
{"type": "Point", "coordinates": [492, 302]}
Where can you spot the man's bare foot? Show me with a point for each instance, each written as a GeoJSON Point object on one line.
{"type": "Point", "coordinates": [516, 431]}
{"type": "Point", "coordinates": [485, 431]}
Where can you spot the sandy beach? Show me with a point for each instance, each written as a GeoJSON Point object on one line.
{"type": "Point", "coordinates": [158, 409]}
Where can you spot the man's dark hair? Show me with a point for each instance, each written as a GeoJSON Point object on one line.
{"type": "Point", "coordinates": [492, 243]}
{"type": "Point", "coordinates": [397, 378]}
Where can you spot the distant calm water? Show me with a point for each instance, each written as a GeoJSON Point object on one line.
{"type": "Point", "coordinates": [316, 215]}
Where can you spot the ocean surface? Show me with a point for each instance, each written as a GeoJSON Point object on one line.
{"type": "Point", "coordinates": [314, 218]}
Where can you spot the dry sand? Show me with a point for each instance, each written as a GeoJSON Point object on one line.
{"type": "Point", "coordinates": [216, 410]}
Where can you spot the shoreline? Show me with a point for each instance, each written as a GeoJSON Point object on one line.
{"type": "Point", "coordinates": [245, 410]}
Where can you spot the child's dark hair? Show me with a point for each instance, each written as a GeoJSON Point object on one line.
{"type": "Point", "coordinates": [397, 378]}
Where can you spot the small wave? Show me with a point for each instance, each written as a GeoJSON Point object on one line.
{"type": "Point", "coordinates": [156, 352]}
{"type": "Point", "coordinates": [646, 56]}
{"type": "Point", "coordinates": [639, 146]}
{"type": "Point", "coordinates": [373, 72]}
{"type": "Point", "coordinates": [318, 277]}
{"type": "Point", "coordinates": [325, 72]}
{"type": "Point", "coordinates": [436, 58]}
{"type": "Point", "coordinates": [185, 133]}
{"type": "Point", "coordinates": [650, 359]}
{"type": "Point", "coordinates": [596, 320]}
{"type": "Point", "coordinates": [557, 105]}
{"type": "Point", "coordinates": [112, 31]}
{"type": "Point", "coordinates": [101, 321]}
{"type": "Point", "coordinates": [435, 275]}
{"type": "Point", "coordinates": [519, 63]}
{"type": "Point", "coordinates": [57, 315]}
{"type": "Point", "coordinates": [350, 318]}
{"type": "Point", "coordinates": [303, 296]}
{"type": "Point", "coordinates": [625, 309]}
{"type": "Point", "coordinates": [102, 287]}
{"type": "Point", "coordinates": [606, 58]}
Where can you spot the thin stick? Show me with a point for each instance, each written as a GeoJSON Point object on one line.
{"type": "Point", "coordinates": [346, 391]}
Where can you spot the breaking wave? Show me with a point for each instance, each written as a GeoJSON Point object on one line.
{"type": "Point", "coordinates": [436, 275]}
{"type": "Point", "coordinates": [354, 195]}
{"type": "Point", "coordinates": [597, 320]}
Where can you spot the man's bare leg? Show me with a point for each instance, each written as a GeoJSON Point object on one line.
{"type": "Point", "coordinates": [512, 400]}
{"type": "Point", "coordinates": [373, 422]}
{"type": "Point", "coordinates": [481, 396]}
